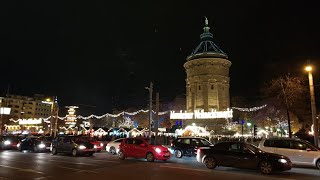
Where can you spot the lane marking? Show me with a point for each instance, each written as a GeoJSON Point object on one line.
{"type": "Point", "coordinates": [183, 168]}
{"type": "Point", "coordinates": [75, 169]}
{"type": "Point", "coordinates": [80, 163]}
{"type": "Point", "coordinates": [105, 161]}
{"type": "Point", "coordinates": [45, 177]}
{"type": "Point", "coordinates": [20, 169]}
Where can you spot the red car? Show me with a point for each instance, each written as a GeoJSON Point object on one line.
{"type": "Point", "coordinates": [98, 145]}
{"type": "Point", "coordinates": [9, 142]}
{"type": "Point", "coordinates": [142, 148]}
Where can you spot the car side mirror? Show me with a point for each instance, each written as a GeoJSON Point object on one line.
{"type": "Point", "coordinates": [142, 145]}
{"type": "Point", "coordinates": [308, 149]}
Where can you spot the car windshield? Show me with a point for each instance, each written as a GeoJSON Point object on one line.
{"type": "Point", "coordinates": [253, 148]}
{"type": "Point", "coordinates": [205, 142]}
{"type": "Point", "coordinates": [311, 146]}
{"type": "Point", "coordinates": [80, 139]}
{"type": "Point", "coordinates": [88, 139]}
{"type": "Point", "coordinates": [46, 139]}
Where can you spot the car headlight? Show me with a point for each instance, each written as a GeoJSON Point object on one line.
{"type": "Point", "coordinates": [82, 147]}
{"type": "Point", "coordinates": [101, 144]}
{"type": "Point", "coordinates": [95, 146]}
{"type": "Point", "coordinates": [7, 142]}
{"type": "Point", "coordinates": [42, 145]}
{"type": "Point", "coordinates": [282, 161]}
{"type": "Point", "coordinates": [157, 150]}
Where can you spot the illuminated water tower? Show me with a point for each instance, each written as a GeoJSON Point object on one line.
{"type": "Point", "coordinates": [207, 82]}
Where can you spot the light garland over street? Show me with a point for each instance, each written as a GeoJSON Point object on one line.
{"type": "Point", "coordinates": [135, 113]}
{"type": "Point", "coordinates": [250, 109]}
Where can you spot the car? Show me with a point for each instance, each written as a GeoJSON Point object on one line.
{"type": "Point", "coordinates": [113, 146]}
{"type": "Point", "coordinates": [73, 145]}
{"type": "Point", "coordinates": [143, 148]}
{"type": "Point", "coordinates": [187, 146]}
{"type": "Point", "coordinates": [97, 145]}
{"type": "Point", "coordinates": [34, 144]}
{"type": "Point", "coordinates": [299, 151]}
{"type": "Point", "coordinates": [242, 155]}
{"type": "Point", "coordinates": [9, 142]}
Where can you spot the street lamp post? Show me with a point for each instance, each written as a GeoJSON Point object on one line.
{"type": "Point", "coordinates": [313, 106]}
{"type": "Point", "coordinates": [51, 114]}
{"type": "Point", "coordinates": [150, 106]}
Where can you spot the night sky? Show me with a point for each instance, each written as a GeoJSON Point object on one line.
{"type": "Point", "coordinates": [102, 54]}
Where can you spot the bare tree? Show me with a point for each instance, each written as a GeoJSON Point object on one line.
{"type": "Point", "coordinates": [289, 91]}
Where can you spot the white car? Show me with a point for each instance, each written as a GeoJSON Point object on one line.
{"type": "Point", "coordinates": [298, 151]}
{"type": "Point", "coordinates": [113, 146]}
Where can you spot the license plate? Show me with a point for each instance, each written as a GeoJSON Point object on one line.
{"type": "Point", "coordinates": [47, 147]}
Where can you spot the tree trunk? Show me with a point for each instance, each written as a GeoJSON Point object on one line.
{"type": "Point", "coordinates": [289, 124]}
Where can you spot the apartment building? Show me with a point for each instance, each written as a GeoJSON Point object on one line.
{"type": "Point", "coordinates": [24, 107]}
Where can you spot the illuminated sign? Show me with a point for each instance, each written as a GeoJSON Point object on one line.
{"type": "Point", "coordinates": [46, 102]}
{"type": "Point", "coordinates": [29, 121]}
{"type": "Point", "coordinates": [5, 110]}
{"type": "Point", "coordinates": [201, 114]}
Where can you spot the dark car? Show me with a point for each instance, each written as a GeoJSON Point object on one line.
{"type": "Point", "coordinates": [72, 144]}
{"type": "Point", "coordinates": [9, 142]}
{"type": "Point", "coordinates": [187, 146]}
{"type": "Point", "coordinates": [242, 155]}
{"type": "Point", "coordinates": [34, 144]}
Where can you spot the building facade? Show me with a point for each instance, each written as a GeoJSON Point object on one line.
{"type": "Point", "coordinates": [208, 81]}
{"type": "Point", "coordinates": [26, 111]}
{"type": "Point", "coordinates": [24, 107]}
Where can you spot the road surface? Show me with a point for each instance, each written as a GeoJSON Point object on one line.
{"type": "Point", "coordinates": [28, 165]}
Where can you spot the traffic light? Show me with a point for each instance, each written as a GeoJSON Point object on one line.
{"type": "Point", "coordinates": [255, 130]}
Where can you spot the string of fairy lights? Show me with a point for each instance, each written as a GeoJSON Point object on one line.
{"type": "Point", "coordinates": [102, 116]}
{"type": "Point", "coordinates": [250, 109]}
{"type": "Point", "coordinates": [135, 113]}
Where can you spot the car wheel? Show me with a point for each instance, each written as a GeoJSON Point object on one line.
{"type": "Point", "coordinates": [210, 162]}
{"type": "Point", "coordinates": [150, 157]}
{"type": "Point", "coordinates": [74, 153]}
{"type": "Point", "coordinates": [54, 151]}
{"type": "Point", "coordinates": [265, 167]}
{"type": "Point", "coordinates": [112, 150]}
{"type": "Point", "coordinates": [318, 164]}
{"type": "Point", "coordinates": [35, 149]}
{"type": "Point", "coordinates": [178, 154]}
{"type": "Point", "coordinates": [121, 155]}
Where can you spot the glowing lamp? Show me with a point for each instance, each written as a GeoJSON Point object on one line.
{"type": "Point", "coordinates": [308, 68]}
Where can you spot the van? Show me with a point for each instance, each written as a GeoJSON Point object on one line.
{"type": "Point", "coordinates": [300, 152]}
